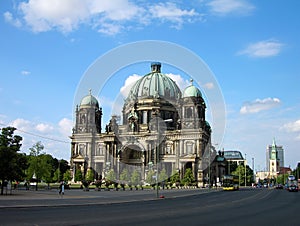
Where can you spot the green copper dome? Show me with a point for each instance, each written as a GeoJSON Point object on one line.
{"type": "Point", "coordinates": [154, 85]}
{"type": "Point", "coordinates": [89, 100]}
{"type": "Point", "coordinates": [192, 91]}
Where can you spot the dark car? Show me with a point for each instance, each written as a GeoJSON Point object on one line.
{"type": "Point", "coordinates": [293, 187]}
{"type": "Point", "coordinates": [279, 186]}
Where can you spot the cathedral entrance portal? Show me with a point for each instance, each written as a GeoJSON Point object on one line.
{"type": "Point", "coordinates": [132, 160]}
{"type": "Point", "coordinates": [132, 155]}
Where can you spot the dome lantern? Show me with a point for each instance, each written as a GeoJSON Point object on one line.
{"type": "Point", "coordinates": [155, 67]}
{"type": "Point", "coordinates": [89, 100]}
{"type": "Point", "coordinates": [191, 91]}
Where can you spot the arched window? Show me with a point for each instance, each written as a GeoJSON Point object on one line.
{"type": "Point", "coordinates": [189, 112]}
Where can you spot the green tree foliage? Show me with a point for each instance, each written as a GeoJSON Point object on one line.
{"type": "Point", "coordinates": [90, 176]}
{"type": "Point", "coordinates": [78, 175]}
{"type": "Point", "coordinates": [67, 176]}
{"type": "Point", "coordinates": [188, 178]}
{"type": "Point", "coordinates": [281, 179]}
{"type": "Point", "coordinates": [150, 177]}
{"type": "Point", "coordinates": [48, 162]}
{"type": "Point", "coordinates": [230, 167]}
{"type": "Point", "coordinates": [296, 172]}
{"type": "Point", "coordinates": [175, 177]}
{"type": "Point", "coordinates": [135, 178]}
{"type": "Point", "coordinates": [110, 176]}
{"type": "Point", "coordinates": [240, 172]}
{"type": "Point", "coordinates": [12, 163]}
{"type": "Point", "coordinates": [163, 176]}
{"type": "Point", "coordinates": [56, 175]}
{"type": "Point", "coordinates": [60, 167]}
{"type": "Point", "coordinates": [39, 166]}
{"type": "Point", "coordinates": [125, 176]}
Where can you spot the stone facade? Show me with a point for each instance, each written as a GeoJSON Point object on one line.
{"type": "Point", "coordinates": [162, 128]}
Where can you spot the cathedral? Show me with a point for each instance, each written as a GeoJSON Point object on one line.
{"type": "Point", "coordinates": [161, 128]}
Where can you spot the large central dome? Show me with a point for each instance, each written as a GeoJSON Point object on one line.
{"type": "Point", "coordinates": [154, 85]}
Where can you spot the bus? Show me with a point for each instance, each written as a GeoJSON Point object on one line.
{"type": "Point", "coordinates": [230, 182]}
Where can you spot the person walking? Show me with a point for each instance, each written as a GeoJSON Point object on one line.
{"type": "Point", "coordinates": [62, 188]}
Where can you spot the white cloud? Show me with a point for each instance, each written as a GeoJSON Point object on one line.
{"type": "Point", "coordinates": [116, 10]}
{"type": "Point", "coordinates": [259, 105]}
{"type": "Point", "coordinates": [54, 137]}
{"type": "Point", "coordinates": [43, 15]}
{"type": "Point", "coordinates": [171, 12]}
{"type": "Point", "coordinates": [25, 72]}
{"type": "Point", "coordinates": [108, 17]}
{"type": "Point", "coordinates": [129, 82]}
{"type": "Point", "coordinates": [8, 17]}
{"type": "Point", "coordinates": [22, 124]}
{"type": "Point", "coordinates": [292, 126]}
{"type": "Point", "coordinates": [65, 127]}
{"type": "Point", "coordinates": [223, 7]}
{"type": "Point", "coordinates": [179, 81]}
{"type": "Point", "coordinates": [110, 29]}
{"type": "Point", "coordinates": [42, 127]}
{"type": "Point", "coordinates": [267, 48]}
{"type": "Point", "coordinates": [209, 85]}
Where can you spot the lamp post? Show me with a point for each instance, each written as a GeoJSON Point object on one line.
{"type": "Point", "coordinates": [245, 164]}
{"type": "Point", "coordinates": [253, 176]}
{"type": "Point", "coordinates": [158, 149]}
{"type": "Point", "coordinates": [209, 173]}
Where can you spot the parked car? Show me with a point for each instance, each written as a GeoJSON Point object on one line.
{"type": "Point", "coordinates": [292, 185]}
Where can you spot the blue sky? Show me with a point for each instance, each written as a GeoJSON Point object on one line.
{"type": "Point", "coordinates": [252, 47]}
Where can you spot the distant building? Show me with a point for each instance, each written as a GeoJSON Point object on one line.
{"type": "Point", "coordinates": [285, 170]}
{"type": "Point", "coordinates": [261, 175]}
{"type": "Point", "coordinates": [233, 156]}
{"type": "Point", "coordinates": [279, 155]}
{"type": "Point", "coordinates": [274, 162]}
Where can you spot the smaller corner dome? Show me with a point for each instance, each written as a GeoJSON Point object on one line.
{"type": "Point", "coordinates": [89, 100]}
{"type": "Point", "coordinates": [191, 91]}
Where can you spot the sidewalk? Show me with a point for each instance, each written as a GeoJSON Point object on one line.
{"type": "Point", "coordinates": [47, 198]}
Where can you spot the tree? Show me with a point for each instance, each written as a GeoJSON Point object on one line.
{"type": "Point", "coordinates": [60, 167]}
{"type": "Point", "coordinates": [240, 172]}
{"type": "Point", "coordinates": [135, 178]}
{"type": "Point", "coordinates": [124, 176]}
{"type": "Point", "coordinates": [48, 176]}
{"type": "Point", "coordinates": [12, 163]}
{"type": "Point", "coordinates": [56, 175]}
{"type": "Point", "coordinates": [38, 164]}
{"type": "Point", "coordinates": [67, 175]}
{"type": "Point", "coordinates": [188, 178]}
{"type": "Point", "coordinates": [230, 167]}
{"type": "Point", "coordinates": [78, 175]}
{"type": "Point", "coordinates": [90, 175]}
{"type": "Point", "coordinates": [150, 177]}
{"type": "Point", "coordinates": [175, 178]}
{"type": "Point", "coordinates": [163, 176]}
{"type": "Point", "coordinates": [110, 176]}
{"type": "Point", "coordinates": [281, 179]}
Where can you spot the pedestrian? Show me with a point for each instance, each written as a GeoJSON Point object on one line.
{"type": "Point", "coordinates": [62, 188]}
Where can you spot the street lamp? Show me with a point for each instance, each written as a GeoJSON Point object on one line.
{"type": "Point", "coordinates": [245, 164]}
{"type": "Point", "coordinates": [157, 149]}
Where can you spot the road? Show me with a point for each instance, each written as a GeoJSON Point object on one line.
{"type": "Point", "coordinates": [244, 207]}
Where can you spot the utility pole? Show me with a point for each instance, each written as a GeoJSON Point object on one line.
{"type": "Point", "coordinates": [253, 170]}
{"type": "Point", "coordinates": [245, 163]}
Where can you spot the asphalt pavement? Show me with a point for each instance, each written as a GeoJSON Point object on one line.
{"type": "Point", "coordinates": [46, 198]}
